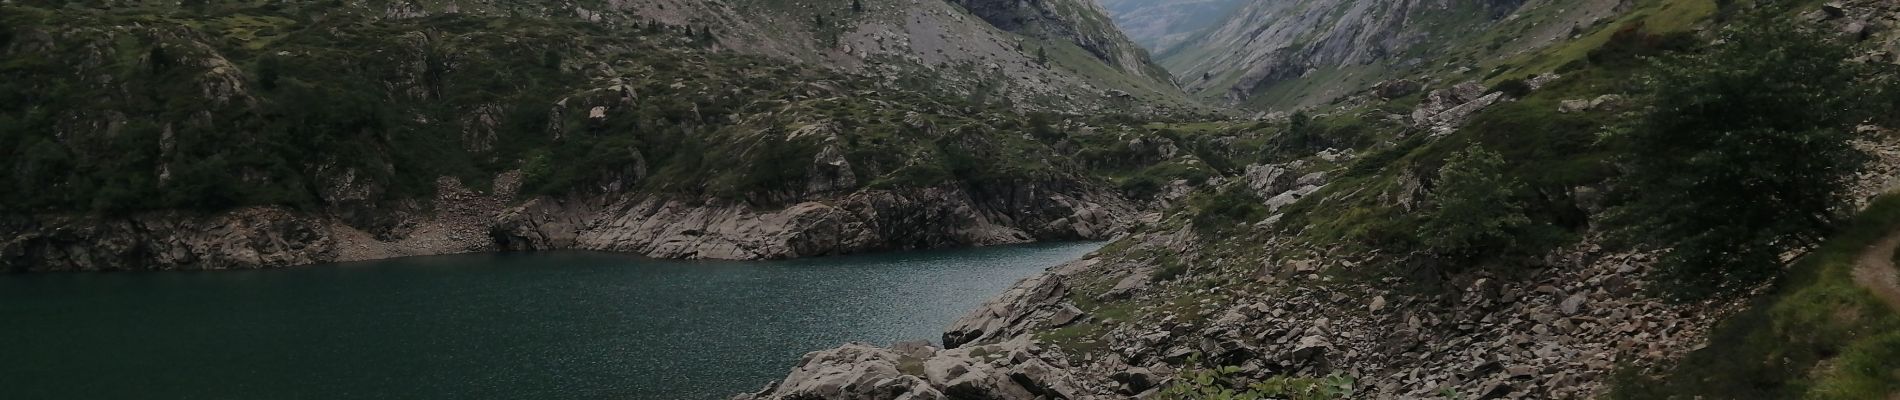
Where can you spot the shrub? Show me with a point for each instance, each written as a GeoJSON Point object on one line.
{"type": "Point", "coordinates": [1229, 206]}
{"type": "Point", "coordinates": [1515, 88]}
{"type": "Point", "coordinates": [1477, 207]}
{"type": "Point", "coordinates": [1167, 267]}
{"type": "Point", "coordinates": [1224, 383]}
{"type": "Point", "coordinates": [1305, 135]}
{"type": "Point", "coordinates": [1743, 155]}
{"type": "Point", "coordinates": [1152, 180]}
{"type": "Point", "coordinates": [1633, 42]}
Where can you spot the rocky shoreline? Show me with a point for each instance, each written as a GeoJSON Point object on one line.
{"type": "Point", "coordinates": [1561, 328]}
{"type": "Point", "coordinates": [466, 221]}
{"type": "Point", "coordinates": [1559, 333]}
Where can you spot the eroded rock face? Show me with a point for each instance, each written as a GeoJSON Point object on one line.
{"type": "Point", "coordinates": [247, 238]}
{"type": "Point", "coordinates": [860, 222]}
{"type": "Point", "coordinates": [1444, 110]}
{"type": "Point", "coordinates": [1078, 22]}
{"type": "Point", "coordinates": [253, 237]}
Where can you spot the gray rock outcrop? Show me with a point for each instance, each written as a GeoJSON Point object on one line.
{"type": "Point", "coordinates": [1444, 110]}
{"type": "Point", "coordinates": [880, 220]}
{"type": "Point", "coordinates": [1016, 369]}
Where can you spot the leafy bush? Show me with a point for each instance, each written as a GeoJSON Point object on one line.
{"type": "Point", "coordinates": [1226, 207]}
{"type": "Point", "coordinates": [1150, 181]}
{"type": "Point", "coordinates": [1167, 267]}
{"type": "Point", "coordinates": [1631, 43]}
{"type": "Point", "coordinates": [1477, 209]}
{"type": "Point", "coordinates": [1743, 155]}
{"type": "Point", "coordinates": [1515, 88]}
{"type": "Point", "coordinates": [1306, 135]}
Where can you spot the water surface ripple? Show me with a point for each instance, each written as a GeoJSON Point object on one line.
{"type": "Point", "coordinates": [497, 326]}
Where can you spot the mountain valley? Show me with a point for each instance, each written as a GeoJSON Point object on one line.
{"type": "Point", "coordinates": [1300, 199]}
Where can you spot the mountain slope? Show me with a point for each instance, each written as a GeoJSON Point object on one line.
{"type": "Point", "coordinates": [261, 135]}
{"type": "Point", "coordinates": [1288, 54]}
{"type": "Point", "coordinates": [883, 38]}
{"type": "Point", "coordinates": [1450, 233]}
{"type": "Point", "coordinates": [1078, 22]}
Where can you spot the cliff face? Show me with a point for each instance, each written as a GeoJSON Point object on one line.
{"type": "Point", "coordinates": [877, 220]}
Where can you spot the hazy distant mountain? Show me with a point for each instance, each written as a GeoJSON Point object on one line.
{"type": "Point", "coordinates": [1159, 25]}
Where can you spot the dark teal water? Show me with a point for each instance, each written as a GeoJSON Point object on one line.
{"type": "Point", "coordinates": [496, 326]}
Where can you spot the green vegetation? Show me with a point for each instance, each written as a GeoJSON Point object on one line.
{"type": "Point", "coordinates": [1224, 383]}
{"type": "Point", "coordinates": [1389, 198]}
{"type": "Point", "coordinates": [1670, 19]}
{"type": "Point", "coordinates": [1226, 207]}
{"type": "Point", "coordinates": [1817, 335]}
{"type": "Point", "coordinates": [1167, 267]}
{"type": "Point", "coordinates": [265, 104]}
{"type": "Point", "coordinates": [1149, 182]}
{"type": "Point", "coordinates": [1079, 338]}
{"type": "Point", "coordinates": [1743, 156]}
{"type": "Point", "coordinates": [1477, 208]}
{"type": "Point", "coordinates": [1706, 131]}
{"type": "Point", "coordinates": [1306, 135]}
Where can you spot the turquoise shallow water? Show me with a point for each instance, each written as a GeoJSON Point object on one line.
{"type": "Point", "coordinates": [486, 326]}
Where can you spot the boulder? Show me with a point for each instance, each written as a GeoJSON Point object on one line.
{"type": "Point", "coordinates": [1572, 106]}
{"type": "Point", "coordinates": [1137, 379]}
{"type": "Point", "coordinates": [852, 371]}
{"type": "Point", "coordinates": [1573, 304]}
{"type": "Point", "coordinates": [1311, 347]}
{"type": "Point", "coordinates": [1063, 316]}
{"type": "Point", "coordinates": [1270, 180]}
{"type": "Point", "coordinates": [1044, 380]}
{"type": "Point", "coordinates": [917, 349]}
{"type": "Point", "coordinates": [980, 382]}
{"type": "Point", "coordinates": [998, 317]}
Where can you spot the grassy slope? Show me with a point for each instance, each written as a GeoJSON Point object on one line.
{"type": "Point", "coordinates": [1655, 16]}
{"type": "Point", "coordinates": [1817, 335]}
